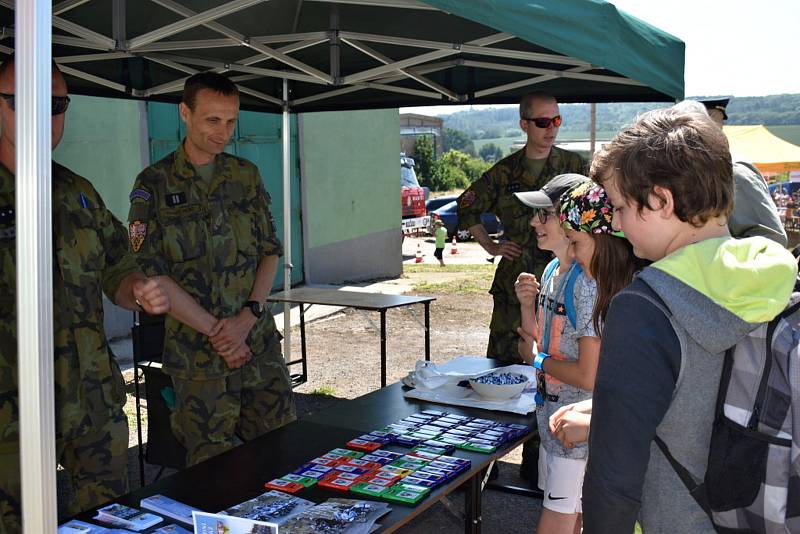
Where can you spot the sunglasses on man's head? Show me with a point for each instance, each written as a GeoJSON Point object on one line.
{"type": "Point", "coordinates": [544, 122]}
{"type": "Point", "coordinates": [59, 103]}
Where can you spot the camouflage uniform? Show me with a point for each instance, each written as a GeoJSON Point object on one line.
{"type": "Point", "coordinates": [90, 257]}
{"type": "Point", "coordinates": [493, 193]}
{"type": "Point", "coordinates": [210, 237]}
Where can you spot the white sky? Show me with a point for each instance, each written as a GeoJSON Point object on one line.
{"type": "Point", "coordinates": [733, 47]}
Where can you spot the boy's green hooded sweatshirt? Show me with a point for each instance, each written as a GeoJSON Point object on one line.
{"type": "Point", "coordinates": [711, 294]}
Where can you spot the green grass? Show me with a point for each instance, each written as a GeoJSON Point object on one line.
{"type": "Point", "coordinates": [473, 279]}
{"type": "Point", "coordinates": [328, 391]}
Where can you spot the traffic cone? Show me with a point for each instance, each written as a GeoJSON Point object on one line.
{"type": "Point", "coordinates": [418, 259]}
{"type": "Point", "coordinates": [453, 246]}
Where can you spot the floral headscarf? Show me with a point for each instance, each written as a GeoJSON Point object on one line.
{"type": "Point", "coordinates": [586, 208]}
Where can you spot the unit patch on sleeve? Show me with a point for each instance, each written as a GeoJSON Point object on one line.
{"type": "Point", "coordinates": [140, 193]}
{"type": "Point", "coordinates": [138, 231]}
{"type": "Point", "coordinates": [467, 199]}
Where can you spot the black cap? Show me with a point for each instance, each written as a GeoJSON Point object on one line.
{"type": "Point", "coordinates": [548, 195]}
{"type": "Point", "coordinates": [717, 103]}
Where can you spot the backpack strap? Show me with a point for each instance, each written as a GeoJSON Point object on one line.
{"type": "Point", "coordinates": [569, 295]}
{"type": "Point", "coordinates": [697, 491]}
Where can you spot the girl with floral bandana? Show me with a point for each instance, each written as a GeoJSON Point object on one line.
{"type": "Point", "coordinates": [585, 213]}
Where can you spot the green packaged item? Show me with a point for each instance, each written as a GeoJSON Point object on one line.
{"type": "Point", "coordinates": [365, 488]}
{"type": "Point", "coordinates": [478, 447]}
{"type": "Point", "coordinates": [404, 495]}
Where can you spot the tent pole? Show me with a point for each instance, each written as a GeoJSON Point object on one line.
{"type": "Point", "coordinates": [287, 226]}
{"type": "Point", "coordinates": [34, 266]}
{"type": "Point", "coordinates": [592, 130]}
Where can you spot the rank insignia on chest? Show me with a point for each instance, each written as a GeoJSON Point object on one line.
{"type": "Point", "coordinates": [6, 215]}
{"type": "Point", "coordinates": [513, 187]}
{"type": "Point", "coordinates": [176, 199]}
{"type": "Point", "coordinates": [138, 231]}
{"type": "Point", "coordinates": [467, 199]}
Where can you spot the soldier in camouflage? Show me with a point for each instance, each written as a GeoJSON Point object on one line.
{"type": "Point", "coordinates": [201, 216]}
{"type": "Point", "coordinates": [90, 257]}
{"type": "Point", "coordinates": [526, 170]}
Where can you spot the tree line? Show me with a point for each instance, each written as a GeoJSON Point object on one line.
{"type": "Point", "coordinates": [491, 123]}
{"type": "Point", "coordinates": [461, 163]}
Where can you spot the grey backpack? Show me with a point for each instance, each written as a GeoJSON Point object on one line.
{"type": "Point", "coordinates": [752, 483]}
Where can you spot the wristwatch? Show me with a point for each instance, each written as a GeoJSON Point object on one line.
{"type": "Point", "coordinates": [256, 308]}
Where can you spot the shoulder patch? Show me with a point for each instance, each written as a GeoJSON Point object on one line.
{"type": "Point", "coordinates": [467, 199]}
{"type": "Point", "coordinates": [140, 193]}
{"type": "Point", "coordinates": [137, 231]}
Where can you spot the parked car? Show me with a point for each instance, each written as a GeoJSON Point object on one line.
{"type": "Point", "coordinates": [447, 212]}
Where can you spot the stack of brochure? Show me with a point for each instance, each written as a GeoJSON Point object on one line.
{"type": "Point", "coordinates": [337, 516]}
{"type": "Point", "coordinates": [272, 507]}
{"type": "Point", "coordinates": [165, 506]}
{"type": "Point", "coordinates": [80, 527]}
{"type": "Point", "coordinates": [119, 515]}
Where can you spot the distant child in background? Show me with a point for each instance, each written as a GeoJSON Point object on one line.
{"type": "Point", "coordinates": [569, 347]}
{"type": "Point", "coordinates": [441, 238]}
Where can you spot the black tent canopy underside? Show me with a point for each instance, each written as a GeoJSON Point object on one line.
{"type": "Point", "coordinates": [336, 56]}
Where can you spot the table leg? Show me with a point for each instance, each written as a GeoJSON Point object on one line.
{"type": "Point", "coordinates": [383, 348]}
{"type": "Point", "coordinates": [303, 342]}
{"type": "Point", "coordinates": [427, 331]}
{"type": "Point", "coordinates": [472, 504]}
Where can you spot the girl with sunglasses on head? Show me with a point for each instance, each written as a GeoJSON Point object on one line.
{"type": "Point", "coordinates": [558, 315]}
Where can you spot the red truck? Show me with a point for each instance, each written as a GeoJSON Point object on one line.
{"type": "Point", "coordinates": [412, 196]}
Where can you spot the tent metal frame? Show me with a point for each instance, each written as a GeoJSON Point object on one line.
{"type": "Point", "coordinates": [36, 20]}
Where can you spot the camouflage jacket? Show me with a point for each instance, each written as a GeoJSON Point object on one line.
{"type": "Point", "coordinates": [90, 257]}
{"type": "Point", "coordinates": [209, 238]}
{"type": "Point", "coordinates": [493, 193]}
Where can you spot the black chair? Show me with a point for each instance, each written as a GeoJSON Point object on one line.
{"type": "Point", "coordinates": [148, 346]}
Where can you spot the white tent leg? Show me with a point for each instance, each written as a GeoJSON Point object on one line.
{"type": "Point", "coordinates": [34, 266]}
{"type": "Point", "coordinates": [287, 225]}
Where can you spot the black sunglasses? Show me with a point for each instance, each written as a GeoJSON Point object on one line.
{"type": "Point", "coordinates": [59, 103]}
{"type": "Point", "coordinates": [542, 214]}
{"type": "Point", "coordinates": [544, 122]}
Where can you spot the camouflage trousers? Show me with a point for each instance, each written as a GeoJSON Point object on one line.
{"type": "Point", "coordinates": [503, 336]}
{"type": "Point", "coordinates": [249, 402]}
{"type": "Point", "coordinates": [97, 465]}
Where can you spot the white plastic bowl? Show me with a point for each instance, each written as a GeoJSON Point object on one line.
{"type": "Point", "coordinates": [498, 391]}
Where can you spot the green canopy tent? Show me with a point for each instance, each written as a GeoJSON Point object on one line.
{"type": "Point", "coordinates": [290, 55]}
{"type": "Point", "coordinates": [360, 54]}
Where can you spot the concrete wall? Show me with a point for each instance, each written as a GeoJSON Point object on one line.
{"type": "Point", "coordinates": [103, 143]}
{"type": "Point", "coordinates": [350, 173]}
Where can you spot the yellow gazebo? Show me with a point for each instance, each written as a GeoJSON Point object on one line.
{"type": "Point", "coordinates": [757, 145]}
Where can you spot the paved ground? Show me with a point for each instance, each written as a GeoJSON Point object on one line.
{"type": "Point", "coordinates": [467, 252]}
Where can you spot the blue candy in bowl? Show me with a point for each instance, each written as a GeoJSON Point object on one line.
{"type": "Point", "coordinates": [499, 385]}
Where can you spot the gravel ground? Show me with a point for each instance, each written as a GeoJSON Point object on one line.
{"type": "Point", "coordinates": [344, 362]}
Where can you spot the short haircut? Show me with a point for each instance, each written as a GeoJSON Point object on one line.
{"type": "Point", "coordinates": [527, 101]}
{"type": "Point", "coordinates": [683, 152]}
{"type": "Point", "coordinates": [8, 64]}
{"type": "Point", "coordinates": [207, 80]}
